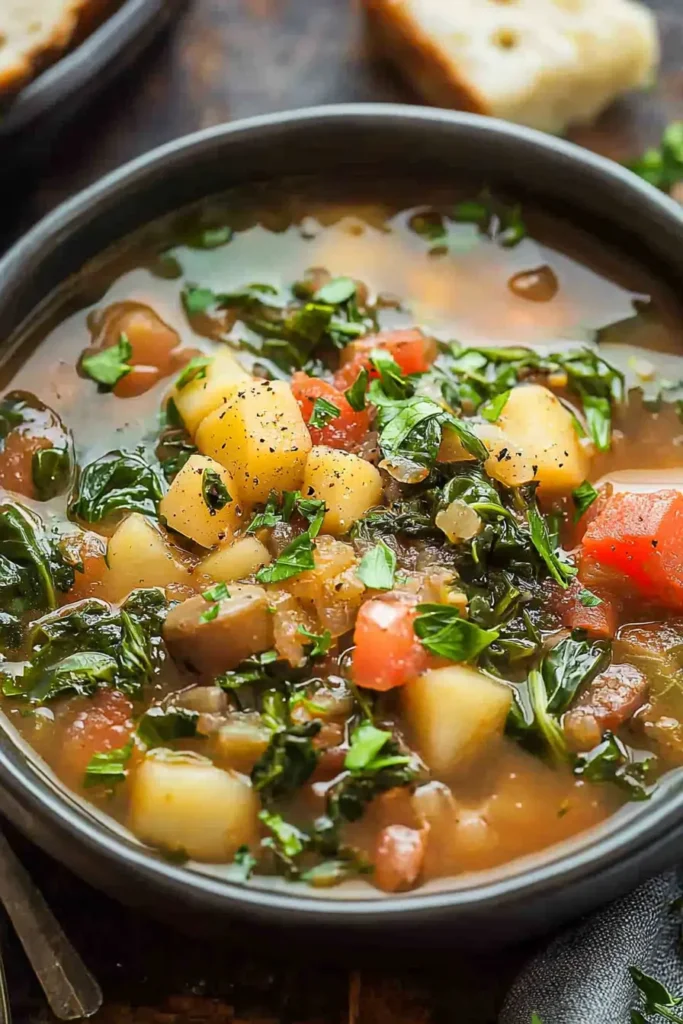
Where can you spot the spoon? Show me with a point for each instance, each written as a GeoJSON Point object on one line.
{"type": "Point", "coordinates": [69, 987]}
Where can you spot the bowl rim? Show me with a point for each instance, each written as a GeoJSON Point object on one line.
{"type": "Point", "coordinates": [595, 856]}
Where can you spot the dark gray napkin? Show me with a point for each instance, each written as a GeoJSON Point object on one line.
{"type": "Point", "coordinates": [582, 977]}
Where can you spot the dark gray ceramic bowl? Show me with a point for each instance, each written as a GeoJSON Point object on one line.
{"type": "Point", "coordinates": [530, 896]}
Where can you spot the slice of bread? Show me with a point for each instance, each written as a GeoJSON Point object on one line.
{"type": "Point", "coordinates": [34, 33]}
{"type": "Point", "coordinates": [543, 63]}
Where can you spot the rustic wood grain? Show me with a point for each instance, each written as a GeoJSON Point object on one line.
{"type": "Point", "coordinates": [227, 59]}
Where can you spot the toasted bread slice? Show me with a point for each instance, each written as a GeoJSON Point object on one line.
{"type": "Point", "coordinates": [543, 63]}
{"type": "Point", "coordinates": [34, 33]}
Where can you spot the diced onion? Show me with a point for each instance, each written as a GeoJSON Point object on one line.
{"type": "Point", "coordinates": [459, 521]}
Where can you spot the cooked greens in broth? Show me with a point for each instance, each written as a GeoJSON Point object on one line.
{"type": "Point", "coordinates": [347, 541]}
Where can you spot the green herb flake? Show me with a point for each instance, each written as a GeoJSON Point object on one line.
{"type": "Point", "coordinates": [355, 395]}
{"type": "Point", "coordinates": [321, 642]}
{"type": "Point", "coordinates": [560, 571]}
{"type": "Point", "coordinates": [492, 409]}
{"type": "Point", "coordinates": [109, 766]}
{"type": "Point", "coordinates": [394, 382]}
{"type": "Point", "coordinates": [662, 166]}
{"type": "Point", "coordinates": [583, 497]}
{"type": "Point", "coordinates": [297, 557]}
{"type": "Point", "coordinates": [245, 861]}
{"type": "Point", "coordinates": [377, 568]}
{"type": "Point", "coordinates": [108, 366]}
{"type": "Point", "coordinates": [336, 291]}
{"type": "Point", "coordinates": [443, 632]}
{"type": "Point", "coordinates": [197, 301]}
{"type": "Point", "coordinates": [214, 492]}
{"type": "Point", "coordinates": [212, 238]}
{"type": "Point", "coordinates": [211, 613]}
{"type": "Point", "coordinates": [323, 413]}
{"type": "Point", "coordinates": [219, 592]}
{"type": "Point", "coordinates": [196, 369]}
{"type": "Point", "coordinates": [588, 599]}
{"type": "Point", "coordinates": [366, 743]}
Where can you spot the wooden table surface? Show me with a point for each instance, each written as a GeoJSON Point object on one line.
{"type": "Point", "coordinates": [226, 59]}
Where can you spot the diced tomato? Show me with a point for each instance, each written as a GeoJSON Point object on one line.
{"type": "Point", "coordinates": [599, 621]}
{"type": "Point", "coordinates": [156, 351]}
{"type": "Point", "coordinates": [640, 537]}
{"type": "Point", "coordinates": [413, 352]}
{"type": "Point", "coordinates": [86, 551]}
{"type": "Point", "coordinates": [104, 724]}
{"type": "Point", "coordinates": [16, 461]}
{"type": "Point", "coordinates": [387, 652]}
{"type": "Point", "coordinates": [347, 429]}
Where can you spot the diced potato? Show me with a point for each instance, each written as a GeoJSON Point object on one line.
{"type": "Point", "coordinates": [201, 396]}
{"type": "Point", "coordinates": [242, 626]}
{"type": "Point", "coordinates": [185, 508]}
{"type": "Point", "coordinates": [260, 436]}
{"type": "Point", "coordinates": [242, 740]}
{"type": "Point", "coordinates": [539, 425]}
{"type": "Point", "coordinates": [182, 803]}
{"type": "Point", "coordinates": [234, 561]}
{"type": "Point", "coordinates": [138, 555]}
{"type": "Point", "coordinates": [508, 463]}
{"type": "Point", "coordinates": [347, 484]}
{"type": "Point", "coordinates": [455, 713]}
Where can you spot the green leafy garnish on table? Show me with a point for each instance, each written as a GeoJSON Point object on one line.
{"type": "Point", "coordinates": [662, 166]}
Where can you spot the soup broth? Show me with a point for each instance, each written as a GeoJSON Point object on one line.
{"type": "Point", "coordinates": [345, 539]}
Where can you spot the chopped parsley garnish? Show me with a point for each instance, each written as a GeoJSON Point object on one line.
{"type": "Point", "coordinates": [443, 632]}
{"type": "Point", "coordinates": [214, 492]}
{"type": "Point", "coordinates": [196, 369]}
{"type": "Point", "coordinates": [321, 642]}
{"type": "Point", "coordinates": [662, 166]}
{"type": "Point", "coordinates": [245, 861]}
{"type": "Point", "coordinates": [109, 766]}
{"type": "Point", "coordinates": [108, 366]}
{"type": "Point", "coordinates": [211, 613]}
{"type": "Point", "coordinates": [367, 742]}
{"type": "Point", "coordinates": [589, 599]}
{"type": "Point", "coordinates": [323, 413]}
{"type": "Point", "coordinates": [355, 395]}
{"type": "Point", "coordinates": [198, 300]}
{"type": "Point", "coordinates": [377, 568]}
{"type": "Point", "coordinates": [393, 381]}
{"type": "Point", "coordinates": [219, 592]}
{"type": "Point", "coordinates": [492, 409]}
{"type": "Point", "coordinates": [583, 497]}
{"type": "Point", "coordinates": [297, 557]}
{"type": "Point", "coordinates": [336, 291]}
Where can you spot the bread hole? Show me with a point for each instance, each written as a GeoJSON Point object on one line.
{"type": "Point", "coordinates": [34, 27]}
{"type": "Point", "coordinates": [505, 39]}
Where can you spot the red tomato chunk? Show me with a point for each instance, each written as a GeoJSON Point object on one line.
{"type": "Point", "coordinates": [105, 724]}
{"type": "Point", "coordinates": [640, 537]}
{"type": "Point", "coordinates": [387, 653]}
{"type": "Point", "coordinates": [413, 352]}
{"type": "Point", "coordinates": [346, 430]}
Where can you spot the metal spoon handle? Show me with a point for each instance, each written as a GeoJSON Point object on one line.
{"type": "Point", "coordinates": [69, 987]}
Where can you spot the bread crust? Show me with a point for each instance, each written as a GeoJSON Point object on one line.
{"type": "Point", "coordinates": [77, 20]}
{"type": "Point", "coordinates": [419, 59]}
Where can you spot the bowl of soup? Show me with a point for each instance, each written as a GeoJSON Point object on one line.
{"type": "Point", "coordinates": [341, 527]}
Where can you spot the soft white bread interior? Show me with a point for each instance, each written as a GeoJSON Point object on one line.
{"type": "Point", "coordinates": [542, 63]}
{"type": "Point", "coordinates": [35, 32]}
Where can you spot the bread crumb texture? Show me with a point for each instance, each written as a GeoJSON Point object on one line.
{"type": "Point", "coordinates": [542, 63]}
{"type": "Point", "coordinates": [34, 33]}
